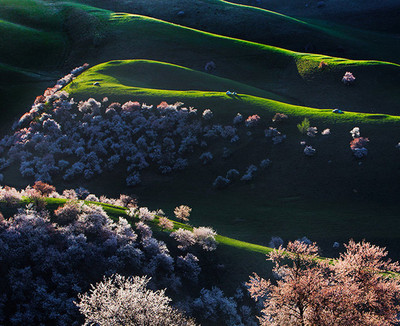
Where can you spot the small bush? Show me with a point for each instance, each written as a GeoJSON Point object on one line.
{"type": "Point", "coordinates": [309, 151]}
{"type": "Point", "coordinates": [165, 223]}
{"type": "Point", "coordinates": [279, 117]}
{"type": "Point", "coordinates": [220, 182]}
{"type": "Point", "coordinates": [252, 121]}
{"type": "Point", "coordinates": [205, 237]}
{"type": "Point", "coordinates": [348, 78]}
{"type": "Point", "coordinates": [232, 174]}
{"type": "Point", "coordinates": [326, 132]}
{"type": "Point", "coordinates": [304, 125]}
{"type": "Point", "coordinates": [68, 213]}
{"type": "Point", "coordinates": [322, 65]}
{"type": "Point", "coordinates": [44, 188]}
{"type": "Point", "coordinates": [275, 242]}
{"type": "Point", "coordinates": [182, 213]}
{"type": "Point", "coordinates": [359, 142]}
{"type": "Point", "coordinates": [312, 131]}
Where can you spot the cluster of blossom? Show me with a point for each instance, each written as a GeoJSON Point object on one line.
{"type": "Point", "coordinates": [43, 189]}
{"type": "Point", "coordinates": [96, 137]}
{"type": "Point", "coordinates": [206, 157]}
{"type": "Point", "coordinates": [202, 236]}
{"type": "Point", "coordinates": [182, 213]}
{"type": "Point", "coordinates": [275, 135]}
{"type": "Point", "coordinates": [348, 78]}
{"type": "Point", "coordinates": [312, 131]}
{"type": "Point", "coordinates": [275, 242]}
{"type": "Point", "coordinates": [80, 245]}
{"type": "Point", "coordinates": [232, 175]}
{"type": "Point", "coordinates": [354, 290]}
{"type": "Point", "coordinates": [357, 145]}
{"type": "Point", "coordinates": [50, 94]}
{"type": "Point", "coordinates": [252, 121]}
{"type": "Point", "coordinates": [279, 117]}
{"type": "Point", "coordinates": [47, 264]}
{"type": "Point", "coordinates": [265, 163]}
{"type": "Point", "coordinates": [326, 132]}
{"type": "Point", "coordinates": [250, 173]}
{"type": "Point", "coordinates": [212, 307]}
{"type": "Point", "coordinates": [309, 151]}
{"type": "Point", "coordinates": [355, 132]}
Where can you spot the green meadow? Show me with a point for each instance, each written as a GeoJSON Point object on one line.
{"type": "Point", "coordinates": [143, 54]}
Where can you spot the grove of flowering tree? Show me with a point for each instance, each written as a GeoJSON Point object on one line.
{"type": "Point", "coordinates": [49, 257]}
{"type": "Point", "coordinates": [61, 138]}
{"type": "Point", "coordinates": [356, 289]}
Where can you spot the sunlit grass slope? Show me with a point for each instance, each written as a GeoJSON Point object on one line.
{"type": "Point", "coordinates": [330, 197]}
{"type": "Point", "coordinates": [265, 26]}
{"type": "Point", "coordinates": [153, 82]}
{"type": "Point", "coordinates": [116, 75]}
{"type": "Point", "coordinates": [290, 74]}
{"type": "Point", "coordinates": [31, 34]}
{"type": "Point", "coordinates": [105, 35]}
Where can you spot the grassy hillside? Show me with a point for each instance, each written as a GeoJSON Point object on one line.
{"type": "Point", "coordinates": [78, 33]}
{"type": "Point", "coordinates": [265, 26]}
{"type": "Point", "coordinates": [119, 76]}
{"type": "Point", "coordinates": [330, 197]}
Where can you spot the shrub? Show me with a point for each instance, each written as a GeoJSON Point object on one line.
{"type": "Point", "coordinates": [237, 119]}
{"type": "Point", "coordinates": [210, 66]}
{"type": "Point", "coordinates": [165, 224]}
{"type": "Point", "coordinates": [220, 182]}
{"type": "Point", "coordinates": [359, 142]}
{"type": "Point", "coordinates": [205, 237]}
{"type": "Point", "coordinates": [348, 78]}
{"type": "Point", "coordinates": [275, 242]}
{"type": "Point", "coordinates": [357, 145]}
{"type": "Point", "coordinates": [206, 157]}
{"type": "Point", "coordinates": [355, 132]}
{"type": "Point", "coordinates": [182, 213]}
{"type": "Point", "coordinates": [43, 188]}
{"type": "Point", "coordinates": [309, 151]}
{"type": "Point", "coordinates": [250, 172]}
{"type": "Point", "coordinates": [252, 121]}
{"type": "Point", "coordinates": [312, 131]}
{"type": "Point", "coordinates": [232, 174]}
{"type": "Point", "coordinates": [279, 117]}
{"type": "Point", "coordinates": [278, 139]}
{"type": "Point", "coordinates": [68, 213]}
{"type": "Point", "coordinates": [207, 114]}
{"type": "Point", "coordinates": [326, 132]}
{"type": "Point", "coordinates": [304, 125]}
{"type": "Point", "coordinates": [265, 163]}
{"type": "Point", "coordinates": [184, 237]}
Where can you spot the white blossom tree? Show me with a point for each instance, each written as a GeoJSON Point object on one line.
{"type": "Point", "coordinates": [120, 300]}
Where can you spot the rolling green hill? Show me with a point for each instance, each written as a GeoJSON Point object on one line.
{"type": "Point", "coordinates": [78, 33]}
{"type": "Point", "coordinates": [329, 197]}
